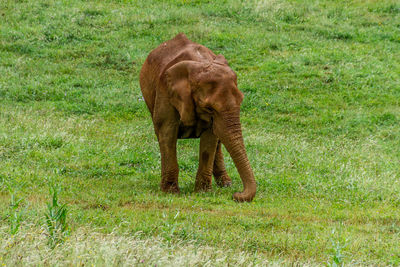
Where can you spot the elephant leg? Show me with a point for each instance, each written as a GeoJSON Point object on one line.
{"type": "Point", "coordinates": [208, 145]}
{"type": "Point", "coordinates": [221, 176]}
{"type": "Point", "coordinates": [167, 136]}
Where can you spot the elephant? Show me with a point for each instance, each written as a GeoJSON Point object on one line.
{"type": "Point", "coordinates": [192, 93]}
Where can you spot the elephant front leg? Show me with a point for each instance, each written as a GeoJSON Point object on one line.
{"type": "Point", "coordinates": [208, 145]}
{"type": "Point", "coordinates": [221, 176]}
{"type": "Point", "coordinates": [167, 136]}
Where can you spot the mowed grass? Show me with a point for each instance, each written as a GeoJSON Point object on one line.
{"type": "Point", "coordinates": [321, 123]}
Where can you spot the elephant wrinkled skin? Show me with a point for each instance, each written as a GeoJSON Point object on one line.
{"type": "Point", "coordinates": [192, 93]}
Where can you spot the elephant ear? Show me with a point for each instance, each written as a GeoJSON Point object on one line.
{"type": "Point", "coordinates": [180, 91]}
{"type": "Point", "coordinates": [220, 59]}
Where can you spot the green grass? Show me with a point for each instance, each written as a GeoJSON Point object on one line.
{"type": "Point", "coordinates": [321, 122]}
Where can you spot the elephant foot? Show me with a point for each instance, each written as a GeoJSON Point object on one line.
{"type": "Point", "coordinates": [202, 188]}
{"type": "Point", "coordinates": [203, 185]}
{"type": "Point", "coordinates": [223, 180]}
{"type": "Point", "coordinates": [243, 196]}
{"type": "Point", "coordinates": [170, 187]}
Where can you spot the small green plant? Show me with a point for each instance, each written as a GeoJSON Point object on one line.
{"type": "Point", "coordinates": [337, 250]}
{"type": "Point", "coordinates": [56, 216]}
{"type": "Point", "coordinates": [169, 230]}
{"type": "Point", "coordinates": [15, 214]}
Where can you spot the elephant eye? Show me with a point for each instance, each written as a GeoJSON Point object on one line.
{"type": "Point", "coordinates": [208, 109]}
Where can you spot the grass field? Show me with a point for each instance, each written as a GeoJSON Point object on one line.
{"type": "Point", "coordinates": [321, 123]}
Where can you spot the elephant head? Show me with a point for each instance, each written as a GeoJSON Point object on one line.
{"type": "Point", "coordinates": [208, 90]}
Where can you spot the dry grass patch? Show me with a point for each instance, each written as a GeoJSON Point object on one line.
{"type": "Point", "coordinates": [86, 247]}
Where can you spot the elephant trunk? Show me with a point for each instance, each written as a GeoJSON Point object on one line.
{"type": "Point", "coordinates": [228, 129]}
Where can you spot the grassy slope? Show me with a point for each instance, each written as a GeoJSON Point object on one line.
{"type": "Point", "coordinates": [321, 122]}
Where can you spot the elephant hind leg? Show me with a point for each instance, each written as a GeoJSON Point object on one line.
{"type": "Point", "coordinates": [221, 176]}
{"type": "Point", "coordinates": [208, 145]}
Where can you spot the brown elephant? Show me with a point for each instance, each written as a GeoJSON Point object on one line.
{"type": "Point", "coordinates": [192, 93]}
